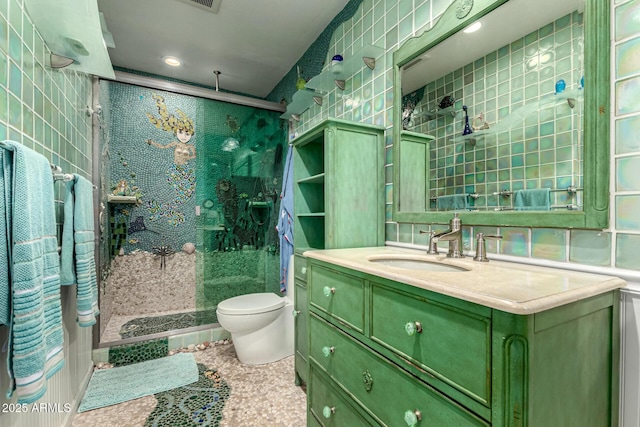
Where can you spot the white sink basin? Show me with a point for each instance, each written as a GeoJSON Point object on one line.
{"type": "Point", "coordinates": [416, 264]}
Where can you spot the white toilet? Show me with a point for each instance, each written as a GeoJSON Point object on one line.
{"type": "Point", "coordinates": [261, 324]}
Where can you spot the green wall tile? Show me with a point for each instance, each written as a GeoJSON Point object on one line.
{"type": "Point", "coordinates": [405, 233]}
{"type": "Point", "coordinates": [391, 231]}
{"type": "Point", "coordinates": [626, 172]}
{"type": "Point", "coordinates": [627, 58]}
{"type": "Point", "coordinates": [548, 244]}
{"type": "Point", "coordinates": [626, 100]}
{"type": "Point", "coordinates": [626, 135]}
{"type": "Point", "coordinates": [515, 241]}
{"type": "Point", "coordinates": [627, 208]}
{"type": "Point", "coordinates": [627, 251]}
{"type": "Point", "coordinates": [626, 20]}
{"type": "Point", "coordinates": [590, 247]}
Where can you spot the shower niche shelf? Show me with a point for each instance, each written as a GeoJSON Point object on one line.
{"type": "Point", "coordinates": [301, 101]}
{"type": "Point", "coordinates": [337, 75]}
{"type": "Point", "coordinates": [122, 199]}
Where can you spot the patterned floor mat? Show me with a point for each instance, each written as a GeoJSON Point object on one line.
{"type": "Point", "coordinates": [197, 404]}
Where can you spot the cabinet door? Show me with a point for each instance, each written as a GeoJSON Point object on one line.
{"type": "Point", "coordinates": [354, 187]}
{"type": "Point", "coordinates": [301, 332]}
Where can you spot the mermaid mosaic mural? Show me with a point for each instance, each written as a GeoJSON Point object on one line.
{"type": "Point", "coordinates": [180, 175]}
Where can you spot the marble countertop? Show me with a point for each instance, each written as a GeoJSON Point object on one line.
{"type": "Point", "coordinates": [511, 287]}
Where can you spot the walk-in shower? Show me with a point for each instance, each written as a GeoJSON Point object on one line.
{"type": "Point", "coordinates": [190, 191]}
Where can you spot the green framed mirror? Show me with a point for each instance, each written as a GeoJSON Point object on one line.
{"type": "Point", "coordinates": [508, 125]}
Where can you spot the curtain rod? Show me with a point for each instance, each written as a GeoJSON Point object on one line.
{"type": "Point", "coordinates": [185, 89]}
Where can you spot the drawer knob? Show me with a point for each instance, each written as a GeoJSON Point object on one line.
{"type": "Point", "coordinates": [295, 313]}
{"type": "Point", "coordinates": [328, 411]}
{"type": "Point", "coordinates": [328, 291]}
{"type": "Point", "coordinates": [303, 270]}
{"type": "Point", "coordinates": [367, 379]}
{"type": "Point", "coordinates": [412, 418]}
{"type": "Point", "coordinates": [328, 351]}
{"type": "Point", "coordinates": [413, 328]}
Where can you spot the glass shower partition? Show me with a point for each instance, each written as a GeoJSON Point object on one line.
{"type": "Point", "coordinates": [205, 178]}
{"type": "Point", "coordinates": [240, 165]}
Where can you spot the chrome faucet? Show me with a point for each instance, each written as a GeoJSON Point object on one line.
{"type": "Point", "coordinates": [453, 235]}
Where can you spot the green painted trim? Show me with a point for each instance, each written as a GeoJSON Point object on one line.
{"type": "Point", "coordinates": [595, 213]}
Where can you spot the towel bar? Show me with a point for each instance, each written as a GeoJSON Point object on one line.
{"type": "Point", "coordinates": [63, 177]}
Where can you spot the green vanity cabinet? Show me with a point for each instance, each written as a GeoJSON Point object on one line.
{"type": "Point", "coordinates": [338, 200]}
{"type": "Point", "coordinates": [404, 355]}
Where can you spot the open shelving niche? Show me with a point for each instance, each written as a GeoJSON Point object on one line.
{"type": "Point", "coordinates": [309, 194]}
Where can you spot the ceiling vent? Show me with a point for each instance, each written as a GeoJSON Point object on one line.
{"type": "Point", "coordinates": [211, 6]}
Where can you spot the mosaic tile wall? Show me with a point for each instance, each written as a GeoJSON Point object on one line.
{"type": "Point", "coordinates": [538, 149]}
{"type": "Point", "coordinates": [45, 110]}
{"type": "Point", "coordinates": [146, 159]}
{"type": "Point", "coordinates": [369, 98]}
{"type": "Point", "coordinates": [236, 155]}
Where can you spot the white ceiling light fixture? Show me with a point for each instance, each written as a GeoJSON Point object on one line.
{"type": "Point", "coordinates": [473, 27]}
{"type": "Point", "coordinates": [172, 61]}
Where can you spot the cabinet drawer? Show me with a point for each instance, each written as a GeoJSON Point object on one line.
{"type": "Point", "coordinates": [339, 295]}
{"type": "Point", "coordinates": [451, 343]}
{"type": "Point", "coordinates": [380, 386]}
{"type": "Point", "coordinates": [328, 407]}
{"type": "Point", "coordinates": [312, 421]}
{"type": "Point", "coordinates": [300, 268]}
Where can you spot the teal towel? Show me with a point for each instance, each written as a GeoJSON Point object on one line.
{"type": "Point", "coordinates": [85, 266]}
{"type": "Point", "coordinates": [538, 199]}
{"type": "Point", "coordinates": [453, 202]}
{"type": "Point", "coordinates": [67, 264]}
{"type": "Point", "coordinates": [77, 262]}
{"type": "Point", "coordinates": [35, 324]}
{"type": "Point", "coordinates": [5, 208]}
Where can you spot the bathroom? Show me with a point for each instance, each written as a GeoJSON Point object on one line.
{"type": "Point", "coordinates": [45, 110]}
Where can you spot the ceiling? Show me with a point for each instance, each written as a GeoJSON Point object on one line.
{"type": "Point", "coordinates": [252, 43]}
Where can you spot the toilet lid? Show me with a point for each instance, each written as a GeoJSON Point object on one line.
{"type": "Point", "coordinates": [251, 304]}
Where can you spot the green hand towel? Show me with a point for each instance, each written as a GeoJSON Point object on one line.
{"type": "Point", "coordinates": [538, 199]}
{"type": "Point", "coordinates": [453, 202]}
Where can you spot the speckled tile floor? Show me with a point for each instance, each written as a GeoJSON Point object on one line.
{"type": "Point", "coordinates": [261, 396]}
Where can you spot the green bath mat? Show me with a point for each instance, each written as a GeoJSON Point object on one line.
{"type": "Point", "coordinates": [116, 385]}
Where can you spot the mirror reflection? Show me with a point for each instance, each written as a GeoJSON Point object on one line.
{"type": "Point", "coordinates": [503, 100]}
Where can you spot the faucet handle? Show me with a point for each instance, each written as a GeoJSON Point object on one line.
{"type": "Point", "coordinates": [481, 246]}
{"type": "Point", "coordinates": [433, 244]}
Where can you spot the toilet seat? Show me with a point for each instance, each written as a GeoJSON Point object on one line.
{"type": "Point", "coordinates": [251, 304]}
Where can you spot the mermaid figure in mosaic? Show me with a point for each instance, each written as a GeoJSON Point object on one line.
{"type": "Point", "coordinates": [180, 175]}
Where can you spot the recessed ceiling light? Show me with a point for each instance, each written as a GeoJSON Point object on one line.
{"type": "Point", "coordinates": [172, 60]}
{"type": "Point", "coordinates": [473, 27]}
